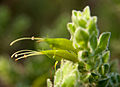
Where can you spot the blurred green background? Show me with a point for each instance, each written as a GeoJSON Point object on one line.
{"type": "Point", "coordinates": [46, 18]}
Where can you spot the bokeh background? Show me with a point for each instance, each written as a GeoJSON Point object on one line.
{"type": "Point", "coordinates": [47, 18]}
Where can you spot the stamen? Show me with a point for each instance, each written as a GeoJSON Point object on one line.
{"type": "Point", "coordinates": [25, 53]}
{"type": "Point", "coordinates": [27, 38]}
{"type": "Point", "coordinates": [56, 64]}
{"type": "Point", "coordinates": [21, 51]}
{"type": "Point", "coordinates": [25, 56]}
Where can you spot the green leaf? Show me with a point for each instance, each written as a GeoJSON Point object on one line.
{"type": "Point", "coordinates": [69, 81]}
{"type": "Point", "coordinates": [103, 83]}
{"type": "Point", "coordinates": [103, 42]}
{"type": "Point", "coordinates": [74, 18]}
{"type": "Point", "coordinates": [118, 77]}
{"type": "Point", "coordinates": [92, 26]}
{"type": "Point", "coordinates": [82, 67]}
{"type": "Point", "coordinates": [114, 78]}
{"type": "Point", "coordinates": [105, 57]}
{"type": "Point", "coordinates": [94, 76]}
{"type": "Point", "coordinates": [49, 83]}
{"type": "Point", "coordinates": [58, 77]}
{"type": "Point", "coordinates": [86, 13]}
{"type": "Point", "coordinates": [71, 28]}
{"type": "Point", "coordinates": [82, 23]}
{"type": "Point", "coordinates": [93, 41]}
{"type": "Point", "coordinates": [106, 68]}
{"type": "Point", "coordinates": [81, 37]}
{"type": "Point", "coordinates": [67, 75]}
{"type": "Point", "coordinates": [83, 54]}
{"type": "Point", "coordinates": [60, 43]}
{"type": "Point", "coordinates": [79, 15]}
{"type": "Point", "coordinates": [61, 54]}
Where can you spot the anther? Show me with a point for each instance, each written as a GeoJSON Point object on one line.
{"type": "Point", "coordinates": [16, 55]}
{"type": "Point", "coordinates": [25, 56]}
{"type": "Point", "coordinates": [32, 38]}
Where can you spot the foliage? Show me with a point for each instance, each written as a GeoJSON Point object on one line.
{"type": "Point", "coordinates": [84, 58]}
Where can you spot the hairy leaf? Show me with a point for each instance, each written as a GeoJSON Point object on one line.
{"type": "Point", "coordinates": [92, 27]}
{"type": "Point", "coordinates": [93, 42]}
{"type": "Point", "coordinates": [49, 83]}
{"type": "Point", "coordinates": [81, 37]}
{"type": "Point", "coordinates": [105, 57]}
{"type": "Point", "coordinates": [86, 13]}
{"type": "Point", "coordinates": [103, 42]}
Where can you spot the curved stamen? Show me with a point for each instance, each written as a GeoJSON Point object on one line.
{"type": "Point", "coordinates": [25, 53]}
{"type": "Point", "coordinates": [25, 56]}
{"type": "Point", "coordinates": [26, 38]}
{"type": "Point", "coordinates": [21, 51]}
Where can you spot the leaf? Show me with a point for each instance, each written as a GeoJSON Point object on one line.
{"type": "Point", "coordinates": [60, 43]}
{"type": "Point", "coordinates": [118, 77]}
{"type": "Point", "coordinates": [95, 76]}
{"type": "Point", "coordinates": [49, 83]}
{"type": "Point", "coordinates": [74, 18]}
{"type": "Point", "coordinates": [106, 68]}
{"type": "Point", "coordinates": [114, 78]}
{"type": "Point", "coordinates": [86, 13]}
{"type": "Point", "coordinates": [93, 41]}
{"type": "Point", "coordinates": [61, 54]}
{"type": "Point", "coordinates": [82, 23]}
{"type": "Point", "coordinates": [69, 81]}
{"type": "Point", "coordinates": [58, 77]}
{"type": "Point", "coordinates": [92, 26]}
{"type": "Point", "coordinates": [81, 37]}
{"type": "Point", "coordinates": [79, 15]}
{"type": "Point", "coordinates": [71, 28]}
{"type": "Point", "coordinates": [82, 67]}
{"type": "Point", "coordinates": [67, 75]}
{"type": "Point", "coordinates": [83, 55]}
{"type": "Point", "coordinates": [103, 83]}
{"type": "Point", "coordinates": [105, 57]}
{"type": "Point", "coordinates": [103, 42]}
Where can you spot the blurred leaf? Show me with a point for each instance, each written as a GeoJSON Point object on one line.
{"type": "Point", "coordinates": [103, 83]}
